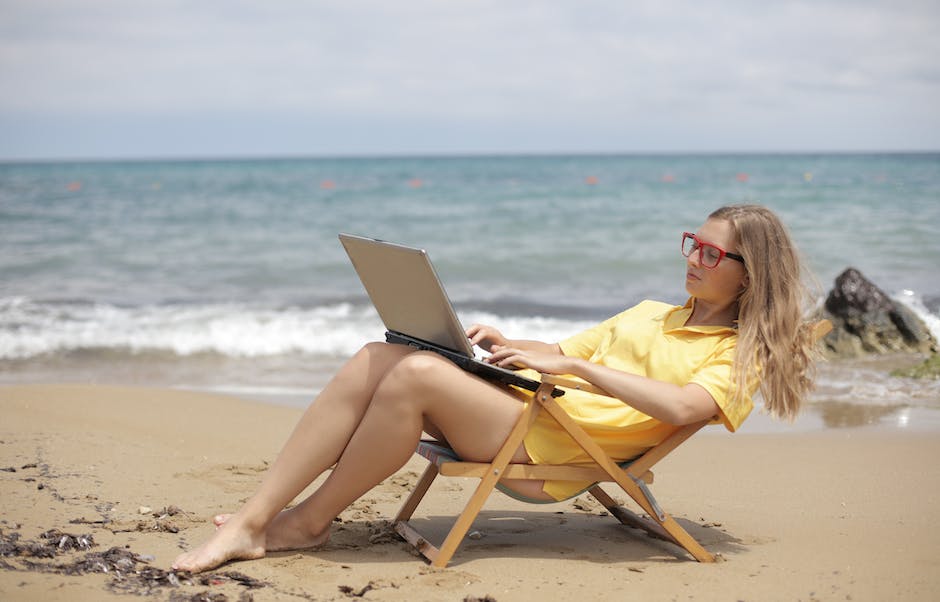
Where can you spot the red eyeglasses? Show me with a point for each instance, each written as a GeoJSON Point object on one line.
{"type": "Point", "coordinates": [709, 255]}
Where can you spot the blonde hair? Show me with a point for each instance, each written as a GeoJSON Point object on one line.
{"type": "Point", "coordinates": [774, 343]}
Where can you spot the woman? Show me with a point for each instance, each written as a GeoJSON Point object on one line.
{"type": "Point", "coordinates": [665, 365]}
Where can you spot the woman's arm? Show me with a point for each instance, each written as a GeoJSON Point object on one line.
{"type": "Point", "coordinates": [667, 402]}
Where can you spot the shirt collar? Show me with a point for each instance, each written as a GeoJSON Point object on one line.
{"type": "Point", "coordinates": [679, 315]}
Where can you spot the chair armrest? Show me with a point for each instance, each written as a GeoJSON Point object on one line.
{"type": "Point", "coordinates": [568, 383]}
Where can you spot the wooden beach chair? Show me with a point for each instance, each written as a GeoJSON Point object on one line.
{"type": "Point", "coordinates": [631, 477]}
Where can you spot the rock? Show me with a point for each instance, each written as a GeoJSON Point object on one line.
{"type": "Point", "coordinates": [866, 321]}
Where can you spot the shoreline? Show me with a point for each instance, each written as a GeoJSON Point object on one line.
{"type": "Point", "coordinates": [816, 416]}
{"type": "Point", "coordinates": [851, 393]}
{"type": "Point", "coordinates": [829, 514]}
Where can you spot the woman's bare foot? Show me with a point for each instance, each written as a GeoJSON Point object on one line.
{"type": "Point", "coordinates": [286, 532]}
{"type": "Point", "coordinates": [232, 542]}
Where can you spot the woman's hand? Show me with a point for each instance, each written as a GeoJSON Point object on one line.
{"type": "Point", "coordinates": [548, 363]}
{"type": "Point", "coordinates": [486, 337]}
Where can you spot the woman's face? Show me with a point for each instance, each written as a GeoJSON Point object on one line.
{"type": "Point", "coordinates": [723, 283]}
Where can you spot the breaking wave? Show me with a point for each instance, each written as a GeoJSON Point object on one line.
{"type": "Point", "coordinates": [31, 328]}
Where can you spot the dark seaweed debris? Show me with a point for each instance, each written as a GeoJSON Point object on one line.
{"type": "Point", "coordinates": [205, 596]}
{"type": "Point", "coordinates": [352, 592]}
{"type": "Point", "coordinates": [55, 542]}
{"type": "Point", "coordinates": [159, 521]}
{"type": "Point", "coordinates": [130, 573]}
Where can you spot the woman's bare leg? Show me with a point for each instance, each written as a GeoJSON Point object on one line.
{"type": "Point", "coordinates": [316, 443]}
{"type": "Point", "coordinates": [475, 416]}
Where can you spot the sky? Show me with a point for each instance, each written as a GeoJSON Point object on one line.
{"type": "Point", "coordinates": [114, 79]}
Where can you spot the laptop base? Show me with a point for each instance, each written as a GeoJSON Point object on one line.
{"type": "Point", "coordinates": [470, 364]}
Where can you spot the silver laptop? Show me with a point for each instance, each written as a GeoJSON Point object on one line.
{"type": "Point", "coordinates": [410, 300]}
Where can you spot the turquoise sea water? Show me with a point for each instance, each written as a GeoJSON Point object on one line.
{"type": "Point", "coordinates": [228, 275]}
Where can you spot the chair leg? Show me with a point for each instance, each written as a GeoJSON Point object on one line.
{"type": "Point", "coordinates": [669, 530]}
{"type": "Point", "coordinates": [417, 494]}
{"type": "Point", "coordinates": [439, 557]}
{"type": "Point", "coordinates": [627, 517]}
{"type": "Point", "coordinates": [400, 523]}
{"type": "Point", "coordinates": [463, 523]}
{"type": "Point", "coordinates": [485, 488]}
{"type": "Point", "coordinates": [682, 537]}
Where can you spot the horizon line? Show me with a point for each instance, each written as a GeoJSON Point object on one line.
{"type": "Point", "coordinates": [450, 155]}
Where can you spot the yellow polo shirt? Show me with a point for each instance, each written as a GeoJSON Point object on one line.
{"type": "Point", "coordinates": [652, 340]}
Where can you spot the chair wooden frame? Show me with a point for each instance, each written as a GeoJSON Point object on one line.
{"type": "Point", "coordinates": [633, 478]}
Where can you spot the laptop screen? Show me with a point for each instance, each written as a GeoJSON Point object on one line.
{"type": "Point", "coordinates": [406, 292]}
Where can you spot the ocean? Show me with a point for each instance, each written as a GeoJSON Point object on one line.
{"type": "Point", "coordinates": [228, 276]}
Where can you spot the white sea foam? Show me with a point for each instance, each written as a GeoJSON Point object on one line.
{"type": "Point", "coordinates": [520, 327]}
{"type": "Point", "coordinates": [31, 329]}
{"type": "Point", "coordinates": [915, 303]}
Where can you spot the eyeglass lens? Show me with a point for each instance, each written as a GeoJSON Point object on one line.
{"type": "Point", "coordinates": [709, 255]}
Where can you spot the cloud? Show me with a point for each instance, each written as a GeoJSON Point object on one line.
{"type": "Point", "coordinates": [593, 65]}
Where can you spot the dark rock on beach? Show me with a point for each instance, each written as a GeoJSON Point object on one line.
{"type": "Point", "coordinates": [867, 321]}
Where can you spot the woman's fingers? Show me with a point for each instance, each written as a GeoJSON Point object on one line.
{"type": "Point", "coordinates": [507, 357]}
{"type": "Point", "coordinates": [485, 336]}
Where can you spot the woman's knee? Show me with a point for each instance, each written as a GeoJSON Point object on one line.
{"type": "Point", "coordinates": [376, 349]}
{"type": "Point", "coordinates": [378, 357]}
{"type": "Point", "coordinates": [413, 376]}
{"type": "Point", "coordinates": [366, 369]}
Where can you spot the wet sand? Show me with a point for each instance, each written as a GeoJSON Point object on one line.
{"type": "Point", "coordinates": [123, 478]}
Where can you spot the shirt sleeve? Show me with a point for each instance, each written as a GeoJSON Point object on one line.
{"type": "Point", "coordinates": [715, 377]}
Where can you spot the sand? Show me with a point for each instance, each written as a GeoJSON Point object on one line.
{"type": "Point", "coordinates": [839, 514]}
